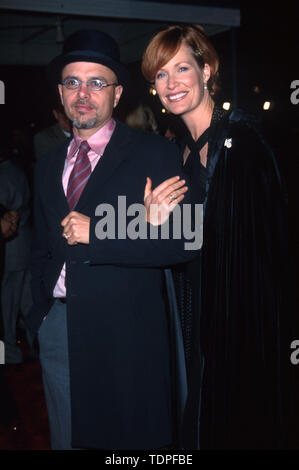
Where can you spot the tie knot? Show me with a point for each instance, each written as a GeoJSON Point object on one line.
{"type": "Point", "coordinates": [84, 146]}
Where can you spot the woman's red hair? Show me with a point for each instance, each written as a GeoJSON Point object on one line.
{"type": "Point", "coordinates": [166, 43]}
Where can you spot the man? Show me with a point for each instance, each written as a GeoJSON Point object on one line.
{"type": "Point", "coordinates": [47, 139]}
{"type": "Point", "coordinates": [8, 228]}
{"type": "Point", "coordinates": [15, 285]}
{"type": "Point", "coordinates": [8, 410]}
{"type": "Point", "coordinates": [104, 345]}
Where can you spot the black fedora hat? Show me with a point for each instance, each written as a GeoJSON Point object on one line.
{"type": "Point", "coordinates": [89, 45]}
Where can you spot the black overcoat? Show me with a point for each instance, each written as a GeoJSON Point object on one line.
{"type": "Point", "coordinates": [116, 310]}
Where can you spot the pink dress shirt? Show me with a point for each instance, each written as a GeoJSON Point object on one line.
{"type": "Point", "coordinates": [97, 143]}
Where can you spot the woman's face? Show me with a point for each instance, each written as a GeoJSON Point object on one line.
{"type": "Point", "coordinates": [180, 82]}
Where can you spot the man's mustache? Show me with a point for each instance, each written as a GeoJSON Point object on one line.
{"type": "Point", "coordinates": [84, 103]}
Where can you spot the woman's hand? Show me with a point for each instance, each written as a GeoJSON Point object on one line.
{"type": "Point", "coordinates": [161, 201]}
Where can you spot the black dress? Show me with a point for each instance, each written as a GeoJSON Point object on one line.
{"type": "Point", "coordinates": [231, 297]}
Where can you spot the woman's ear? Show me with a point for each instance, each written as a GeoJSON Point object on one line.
{"type": "Point", "coordinates": [206, 72]}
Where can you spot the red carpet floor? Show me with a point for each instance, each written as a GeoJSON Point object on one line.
{"type": "Point", "coordinates": [24, 423]}
{"type": "Point", "coordinates": [23, 415]}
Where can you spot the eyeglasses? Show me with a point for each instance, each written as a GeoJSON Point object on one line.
{"type": "Point", "coordinates": [95, 84]}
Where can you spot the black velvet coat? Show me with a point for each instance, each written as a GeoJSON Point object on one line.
{"type": "Point", "coordinates": [232, 299]}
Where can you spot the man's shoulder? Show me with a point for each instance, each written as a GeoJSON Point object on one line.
{"type": "Point", "coordinates": [51, 157]}
{"type": "Point", "coordinates": [148, 140]}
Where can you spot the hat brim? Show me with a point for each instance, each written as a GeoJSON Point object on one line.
{"type": "Point", "coordinates": [56, 66]}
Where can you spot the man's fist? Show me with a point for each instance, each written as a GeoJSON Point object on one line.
{"type": "Point", "coordinates": [76, 228]}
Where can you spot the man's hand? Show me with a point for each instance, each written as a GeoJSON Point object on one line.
{"type": "Point", "coordinates": [76, 228]}
{"type": "Point", "coordinates": [12, 217]}
{"type": "Point", "coordinates": [7, 229]}
{"type": "Point", "coordinates": [161, 201]}
{"type": "Point", "coordinates": [9, 223]}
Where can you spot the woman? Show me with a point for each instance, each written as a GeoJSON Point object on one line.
{"type": "Point", "coordinates": [231, 295]}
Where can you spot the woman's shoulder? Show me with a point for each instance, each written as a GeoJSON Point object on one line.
{"type": "Point", "coordinates": [242, 116]}
{"type": "Point", "coordinates": [244, 131]}
{"type": "Point", "coordinates": [248, 147]}
{"type": "Point", "coordinates": [239, 120]}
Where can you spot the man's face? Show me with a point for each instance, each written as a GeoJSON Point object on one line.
{"type": "Point", "coordinates": [88, 109]}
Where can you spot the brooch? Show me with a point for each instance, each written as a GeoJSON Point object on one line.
{"type": "Point", "coordinates": [228, 143]}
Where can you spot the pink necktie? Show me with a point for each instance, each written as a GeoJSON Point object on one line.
{"type": "Point", "coordinates": [79, 175]}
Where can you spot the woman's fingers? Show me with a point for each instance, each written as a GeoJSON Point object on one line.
{"type": "Point", "coordinates": [164, 190]}
{"type": "Point", "coordinates": [161, 201]}
{"type": "Point", "coordinates": [170, 192]}
{"type": "Point", "coordinates": [148, 188]}
{"type": "Point", "coordinates": [175, 202]}
{"type": "Point", "coordinates": [165, 185]}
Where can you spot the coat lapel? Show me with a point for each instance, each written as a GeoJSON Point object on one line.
{"type": "Point", "coordinates": [115, 153]}
{"type": "Point", "coordinates": [57, 166]}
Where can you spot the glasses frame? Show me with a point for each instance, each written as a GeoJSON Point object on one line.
{"type": "Point", "coordinates": [103, 84]}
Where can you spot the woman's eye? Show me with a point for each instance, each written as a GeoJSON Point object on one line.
{"type": "Point", "coordinates": [183, 69]}
{"type": "Point", "coordinates": [160, 75]}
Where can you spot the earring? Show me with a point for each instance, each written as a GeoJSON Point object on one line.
{"type": "Point", "coordinates": [205, 86]}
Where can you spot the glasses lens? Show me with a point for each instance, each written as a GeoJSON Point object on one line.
{"type": "Point", "coordinates": [71, 83]}
{"type": "Point", "coordinates": [95, 84]}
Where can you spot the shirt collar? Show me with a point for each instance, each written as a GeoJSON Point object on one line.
{"type": "Point", "coordinates": [97, 142]}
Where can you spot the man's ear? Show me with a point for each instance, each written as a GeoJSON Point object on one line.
{"type": "Point", "coordinates": [60, 93]}
{"type": "Point", "coordinates": [117, 94]}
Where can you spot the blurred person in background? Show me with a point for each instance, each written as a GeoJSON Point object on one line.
{"type": "Point", "coordinates": [59, 132]}
{"type": "Point", "coordinates": [15, 285]}
{"type": "Point", "coordinates": [142, 117]}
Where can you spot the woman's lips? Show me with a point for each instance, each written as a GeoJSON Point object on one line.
{"type": "Point", "coordinates": [177, 96]}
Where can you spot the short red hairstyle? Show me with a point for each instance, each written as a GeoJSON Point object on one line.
{"type": "Point", "coordinates": [166, 43]}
